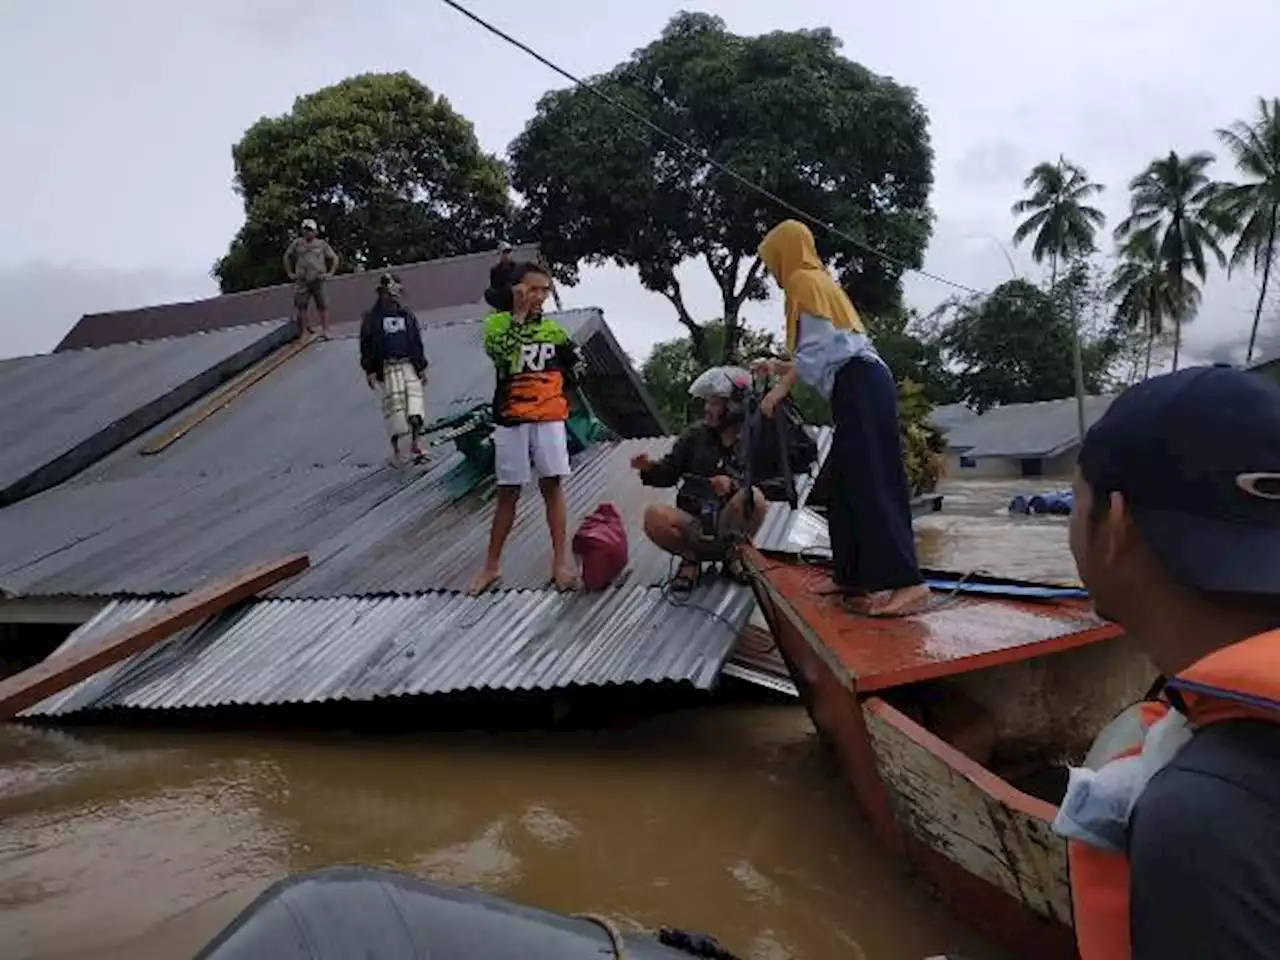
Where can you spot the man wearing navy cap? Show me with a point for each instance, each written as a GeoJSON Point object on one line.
{"type": "Point", "coordinates": [1174, 834]}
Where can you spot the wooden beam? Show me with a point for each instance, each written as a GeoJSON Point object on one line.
{"type": "Point", "coordinates": [229, 392]}
{"type": "Point", "coordinates": [33, 686]}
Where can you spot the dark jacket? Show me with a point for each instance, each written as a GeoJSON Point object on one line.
{"type": "Point", "coordinates": [698, 452]}
{"type": "Point", "coordinates": [388, 334]}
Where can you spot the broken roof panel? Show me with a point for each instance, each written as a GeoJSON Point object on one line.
{"type": "Point", "coordinates": [311, 651]}
{"type": "Point", "coordinates": [64, 411]}
{"type": "Point", "coordinates": [447, 282]}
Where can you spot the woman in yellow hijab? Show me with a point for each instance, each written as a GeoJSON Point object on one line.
{"type": "Point", "coordinates": [869, 517]}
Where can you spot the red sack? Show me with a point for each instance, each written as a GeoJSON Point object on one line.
{"type": "Point", "coordinates": [601, 546]}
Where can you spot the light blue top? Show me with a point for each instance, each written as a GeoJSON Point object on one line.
{"type": "Point", "coordinates": [821, 350]}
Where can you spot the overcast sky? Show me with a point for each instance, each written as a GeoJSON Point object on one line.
{"type": "Point", "coordinates": [120, 115]}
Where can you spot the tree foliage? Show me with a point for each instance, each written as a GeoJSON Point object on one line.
{"type": "Point", "coordinates": [392, 173]}
{"type": "Point", "coordinates": [1251, 210]}
{"type": "Point", "coordinates": [1171, 209]}
{"type": "Point", "coordinates": [785, 110]}
{"type": "Point", "coordinates": [1013, 345]}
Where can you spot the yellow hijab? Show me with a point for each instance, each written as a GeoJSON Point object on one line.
{"type": "Point", "coordinates": [789, 253]}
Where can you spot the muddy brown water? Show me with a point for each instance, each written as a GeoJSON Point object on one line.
{"type": "Point", "coordinates": [729, 819]}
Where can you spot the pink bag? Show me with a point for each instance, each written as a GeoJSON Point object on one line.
{"type": "Point", "coordinates": [601, 546]}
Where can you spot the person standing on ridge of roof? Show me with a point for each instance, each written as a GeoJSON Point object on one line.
{"type": "Point", "coordinates": [310, 261]}
{"type": "Point", "coordinates": [535, 361]}
{"type": "Point", "coordinates": [501, 277]}
{"type": "Point", "coordinates": [872, 544]}
{"type": "Point", "coordinates": [392, 358]}
{"type": "Point", "coordinates": [1173, 820]}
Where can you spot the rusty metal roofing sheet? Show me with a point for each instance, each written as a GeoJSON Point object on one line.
{"type": "Point", "coordinates": [446, 282]}
{"type": "Point", "coordinates": [359, 649]}
{"type": "Point", "coordinates": [65, 411]}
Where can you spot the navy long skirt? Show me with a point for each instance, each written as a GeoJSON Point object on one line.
{"type": "Point", "coordinates": [869, 516]}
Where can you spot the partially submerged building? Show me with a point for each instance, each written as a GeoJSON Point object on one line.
{"type": "Point", "coordinates": [160, 449]}
{"type": "Point", "coordinates": [1016, 440]}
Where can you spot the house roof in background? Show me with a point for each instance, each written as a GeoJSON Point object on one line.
{"type": "Point", "coordinates": [946, 417]}
{"type": "Point", "coordinates": [1026, 430]}
{"type": "Point", "coordinates": [65, 411]}
{"type": "Point", "coordinates": [433, 284]}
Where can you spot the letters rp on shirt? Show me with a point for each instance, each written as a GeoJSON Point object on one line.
{"type": "Point", "coordinates": [533, 361]}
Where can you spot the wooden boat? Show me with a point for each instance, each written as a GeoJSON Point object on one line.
{"type": "Point", "coordinates": [954, 727]}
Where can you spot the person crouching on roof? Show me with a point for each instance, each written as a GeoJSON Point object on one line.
{"type": "Point", "coordinates": [535, 361]}
{"type": "Point", "coordinates": [393, 359]}
{"type": "Point", "coordinates": [711, 507]}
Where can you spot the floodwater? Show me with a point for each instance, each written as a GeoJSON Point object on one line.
{"type": "Point", "coordinates": [730, 820]}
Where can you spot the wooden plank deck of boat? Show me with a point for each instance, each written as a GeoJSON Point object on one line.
{"type": "Point", "coordinates": [960, 634]}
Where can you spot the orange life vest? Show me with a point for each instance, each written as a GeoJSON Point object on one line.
{"type": "Point", "coordinates": [1241, 681]}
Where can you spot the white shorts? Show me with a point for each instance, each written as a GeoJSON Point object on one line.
{"type": "Point", "coordinates": [529, 448]}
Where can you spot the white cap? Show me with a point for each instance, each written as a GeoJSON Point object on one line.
{"type": "Point", "coordinates": [309, 224]}
{"type": "Point", "coordinates": [506, 246]}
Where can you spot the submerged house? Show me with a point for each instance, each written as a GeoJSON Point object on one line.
{"type": "Point", "coordinates": [183, 447]}
{"type": "Point", "coordinates": [1016, 440]}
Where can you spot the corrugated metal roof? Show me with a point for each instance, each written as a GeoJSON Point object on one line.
{"type": "Point", "coordinates": [1021, 430]}
{"type": "Point", "coordinates": [66, 410]}
{"type": "Point", "coordinates": [311, 651]}
{"type": "Point", "coordinates": [446, 282]}
{"type": "Point", "coordinates": [368, 531]}
{"type": "Point", "coordinates": [298, 464]}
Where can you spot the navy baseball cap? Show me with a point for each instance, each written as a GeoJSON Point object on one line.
{"type": "Point", "coordinates": [1196, 455]}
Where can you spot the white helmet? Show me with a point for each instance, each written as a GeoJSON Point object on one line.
{"type": "Point", "coordinates": [720, 382]}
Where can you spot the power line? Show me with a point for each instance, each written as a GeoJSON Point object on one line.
{"type": "Point", "coordinates": [701, 155]}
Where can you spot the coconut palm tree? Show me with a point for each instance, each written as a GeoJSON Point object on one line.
{"type": "Point", "coordinates": [1064, 227]}
{"type": "Point", "coordinates": [1143, 295]}
{"type": "Point", "coordinates": [1171, 206]}
{"type": "Point", "coordinates": [1253, 209]}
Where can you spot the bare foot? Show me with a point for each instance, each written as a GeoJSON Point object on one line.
{"type": "Point", "coordinates": [486, 579]}
{"type": "Point", "coordinates": [903, 601]}
{"type": "Point", "coordinates": [564, 579]}
{"type": "Point", "coordinates": [416, 452]}
{"type": "Point", "coordinates": [859, 603]}
{"type": "Point", "coordinates": [397, 461]}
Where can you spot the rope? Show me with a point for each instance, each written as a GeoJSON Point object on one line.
{"type": "Point", "coordinates": [615, 935]}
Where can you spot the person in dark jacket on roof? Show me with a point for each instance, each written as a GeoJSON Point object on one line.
{"type": "Point", "coordinates": [711, 507]}
{"type": "Point", "coordinates": [393, 359]}
{"type": "Point", "coordinates": [502, 275]}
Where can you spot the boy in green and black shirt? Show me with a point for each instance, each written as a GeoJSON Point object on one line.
{"type": "Point", "coordinates": [534, 358]}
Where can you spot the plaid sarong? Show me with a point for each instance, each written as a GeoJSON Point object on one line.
{"type": "Point", "coordinates": [401, 397]}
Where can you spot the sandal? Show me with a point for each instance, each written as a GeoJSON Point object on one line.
{"type": "Point", "coordinates": [685, 579]}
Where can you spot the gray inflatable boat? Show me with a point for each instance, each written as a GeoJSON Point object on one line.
{"type": "Point", "coordinates": [343, 913]}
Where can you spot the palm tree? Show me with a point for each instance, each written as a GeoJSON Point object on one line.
{"type": "Point", "coordinates": [1171, 208]}
{"type": "Point", "coordinates": [1144, 297]}
{"type": "Point", "coordinates": [1065, 227]}
{"type": "Point", "coordinates": [1252, 209]}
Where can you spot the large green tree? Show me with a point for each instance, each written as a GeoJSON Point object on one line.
{"type": "Point", "coordinates": [1013, 345]}
{"type": "Point", "coordinates": [784, 110]}
{"type": "Point", "coordinates": [1065, 228]}
{"type": "Point", "coordinates": [1251, 209]}
{"type": "Point", "coordinates": [1172, 208]}
{"type": "Point", "coordinates": [392, 173]}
